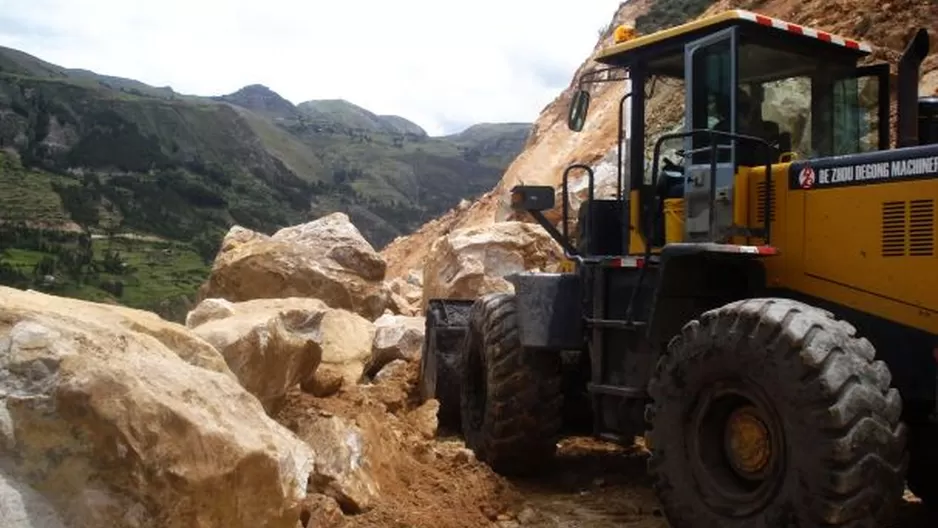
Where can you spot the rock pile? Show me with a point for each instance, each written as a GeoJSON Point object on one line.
{"type": "Point", "coordinates": [287, 399]}
{"type": "Point", "coordinates": [114, 417]}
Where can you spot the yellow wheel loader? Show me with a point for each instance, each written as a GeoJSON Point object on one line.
{"type": "Point", "coordinates": [759, 297]}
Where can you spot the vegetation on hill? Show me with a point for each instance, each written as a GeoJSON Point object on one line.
{"type": "Point", "coordinates": [495, 144]}
{"type": "Point", "coordinates": [159, 276]}
{"type": "Point", "coordinates": [345, 116]}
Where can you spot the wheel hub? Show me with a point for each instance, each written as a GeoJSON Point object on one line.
{"type": "Point", "coordinates": [737, 447]}
{"type": "Point", "coordinates": [747, 443]}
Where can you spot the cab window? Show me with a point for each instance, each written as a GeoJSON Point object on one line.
{"type": "Point", "coordinates": [803, 105]}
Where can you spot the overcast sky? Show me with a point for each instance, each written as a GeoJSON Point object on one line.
{"type": "Point", "coordinates": [442, 64]}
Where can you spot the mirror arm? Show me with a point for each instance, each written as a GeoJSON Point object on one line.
{"type": "Point", "coordinates": [552, 231]}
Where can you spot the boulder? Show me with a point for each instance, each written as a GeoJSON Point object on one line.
{"type": "Point", "coordinates": [406, 293]}
{"type": "Point", "coordinates": [473, 261]}
{"type": "Point", "coordinates": [346, 340]}
{"type": "Point", "coordinates": [23, 507]}
{"type": "Point", "coordinates": [409, 287]}
{"type": "Point", "coordinates": [145, 325]}
{"type": "Point", "coordinates": [343, 468]}
{"type": "Point", "coordinates": [270, 344]}
{"type": "Point", "coordinates": [398, 305]}
{"type": "Point", "coordinates": [391, 386]}
{"type": "Point", "coordinates": [391, 374]}
{"type": "Point", "coordinates": [337, 239]}
{"type": "Point", "coordinates": [274, 344]}
{"type": "Point", "coordinates": [325, 382]}
{"type": "Point", "coordinates": [116, 418]}
{"type": "Point", "coordinates": [396, 337]}
{"type": "Point", "coordinates": [326, 259]}
{"type": "Point", "coordinates": [209, 310]}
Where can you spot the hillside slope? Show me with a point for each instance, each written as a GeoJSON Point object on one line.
{"type": "Point", "coordinates": [179, 165]}
{"type": "Point", "coordinates": [552, 147]}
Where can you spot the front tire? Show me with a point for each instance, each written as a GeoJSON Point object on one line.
{"type": "Point", "coordinates": [511, 402]}
{"type": "Point", "coordinates": [767, 413]}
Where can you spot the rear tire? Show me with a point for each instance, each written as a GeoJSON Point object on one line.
{"type": "Point", "coordinates": [511, 402]}
{"type": "Point", "coordinates": [820, 443]}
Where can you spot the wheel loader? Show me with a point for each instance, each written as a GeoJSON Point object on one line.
{"type": "Point", "coordinates": [757, 297]}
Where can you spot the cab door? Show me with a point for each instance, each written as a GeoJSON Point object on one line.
{"type": "Point", "coordinates": [710, 70]}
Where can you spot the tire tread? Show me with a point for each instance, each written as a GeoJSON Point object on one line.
{"type": "Point", "coordinates": [849, 397]}
{"type": "Point", "coordinates": [524, 400]}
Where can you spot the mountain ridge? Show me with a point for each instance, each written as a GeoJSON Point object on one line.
{"type": "Point", "coordinates": [254, 157]}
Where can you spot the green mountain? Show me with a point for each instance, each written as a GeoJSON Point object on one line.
{"type": "Point", "coordinates": [122, 155]}
{"type": "Point", "coordinates": [492, 143]}
{"type": "Point", "coordinates": [345, 116]}
{"type": "Point", "coordinates": [116, 191]}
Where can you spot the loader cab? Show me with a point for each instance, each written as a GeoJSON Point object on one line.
{"type": "Point", "coordinates": [718, 104]}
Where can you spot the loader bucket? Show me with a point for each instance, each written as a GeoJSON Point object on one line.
{"type": "Point", "coordinates": [447, 321]}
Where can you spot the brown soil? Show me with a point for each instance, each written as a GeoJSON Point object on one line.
{"type": "Point", "coordinates": [436, 483]}
{"type": "Point", "coordinates": [425, 482]}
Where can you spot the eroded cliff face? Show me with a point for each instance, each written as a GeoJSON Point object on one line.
{"type": "Point", "coordinates": [887, 26]}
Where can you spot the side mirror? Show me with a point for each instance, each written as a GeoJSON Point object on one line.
{"type": "Point", "coordinates": [532, 197]}
{"type": "Point", "coordinates": [578, 108]}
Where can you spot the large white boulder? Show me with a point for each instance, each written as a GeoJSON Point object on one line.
{"type": "Point", "coordinates": [397, 337]}
{"type": "Point", "coordinates": [114, 417]}
{"type": "Point", "coordinates": [468, 263]}
{"type": "Point", "coordinates": [326, 259]}
{"type": "Point", "coordinates": [274, 344]}
{"type": "Point", "coordinates": [270, 344]}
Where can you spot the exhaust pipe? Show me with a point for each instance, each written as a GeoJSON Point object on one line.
{"type": "Point", "coordinates": [907, 89]}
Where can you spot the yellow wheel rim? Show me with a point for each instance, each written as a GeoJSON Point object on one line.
{"type": "Point", "coordinates": [748, 445]}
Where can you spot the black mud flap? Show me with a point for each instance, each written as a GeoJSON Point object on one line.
{"type": "Point", "coordinates": [550, 313]}
{"type": "Point", "coordinates": [447, 321]}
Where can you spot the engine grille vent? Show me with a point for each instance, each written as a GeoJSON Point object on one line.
{"type": "Point", "coordinates": [760, 204]}
{"type": "Point", "coordinates": [922, 228]}
{"type": "Point", "coordinates": [909, 228]}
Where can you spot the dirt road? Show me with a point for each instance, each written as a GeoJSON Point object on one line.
{"type": "Point", "coordinates": [432, 481]}
{"type": "Point", "coordinates": [598, 485]}
{"type": "Point", "coordinates": [592, 484]}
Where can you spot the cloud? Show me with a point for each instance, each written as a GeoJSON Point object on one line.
{"type": "Point", "coordinates": [438, 63]}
